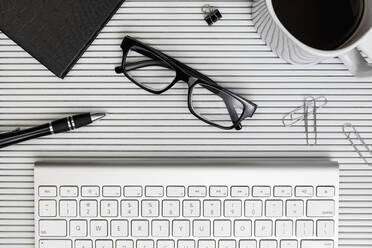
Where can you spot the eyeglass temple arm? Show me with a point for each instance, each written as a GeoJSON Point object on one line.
{"type": "Point", "coordinates": [146, 63]}
{"type": "Point", "coordinates": [233, 115]}
{"type": "Point", "coordinates": [229, 102]}
{"type": "Point", "coordinates": [145, 52]}
{"type": "Point", "coordinates": [141, 64]}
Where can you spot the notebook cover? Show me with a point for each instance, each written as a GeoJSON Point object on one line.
{"type": "Point", "coordinates": [55, 32]}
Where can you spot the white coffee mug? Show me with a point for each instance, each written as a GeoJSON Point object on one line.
{"type": "Point", "coordinates": [288, 47]}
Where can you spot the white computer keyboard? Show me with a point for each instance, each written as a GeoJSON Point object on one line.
{"type": "Point", "coordinates": [186, 205]}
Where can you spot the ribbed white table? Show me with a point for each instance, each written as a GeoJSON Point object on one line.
{"type": "Point", "coordinates": [142, 125]}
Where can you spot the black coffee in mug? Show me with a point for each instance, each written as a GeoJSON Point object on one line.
{"type": "Point", "coordinates": [321, 24]}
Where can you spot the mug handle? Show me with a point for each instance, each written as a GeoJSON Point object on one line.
{"type": "Point", "coordinates": [355, 62]}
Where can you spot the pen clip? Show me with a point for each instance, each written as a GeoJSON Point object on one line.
{"type": "Point", "coordinates": [3, 133]}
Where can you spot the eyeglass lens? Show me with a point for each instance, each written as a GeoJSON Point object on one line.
{"type": "Point", "coordinates": [150, 72]}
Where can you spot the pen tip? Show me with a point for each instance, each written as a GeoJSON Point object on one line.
{"type": "Point", "coordinates": [97, 116]}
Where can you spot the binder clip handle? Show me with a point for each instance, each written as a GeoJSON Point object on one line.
{"type": "Point", "coordinates": [211, 15]}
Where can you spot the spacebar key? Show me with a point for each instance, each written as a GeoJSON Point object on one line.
{"type": "Point", "coordinates": [55, 243]}
{"type": "Point", "coordinates": [317, 244]}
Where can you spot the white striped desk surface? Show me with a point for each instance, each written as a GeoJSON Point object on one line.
{"type": "Point", "coordinates": [140, 124]}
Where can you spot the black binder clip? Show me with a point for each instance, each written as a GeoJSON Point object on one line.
{"type": "Point", "coordinates": [211, 15]}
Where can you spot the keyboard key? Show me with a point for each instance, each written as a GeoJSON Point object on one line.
{"type": "Point", "coordinates": [317, 244]}
{"type": "Point", "coordinates": [132, 191]}
{"type": "Point", "coordinates": [294, 208]}
{"type": "Point", "coordinates": [304, 228]}
{"type": "Point", "coordinates": [218, 191]}
{"type": "Point", "coordinates": [52, 228]}
{"type": "Point", "coordinates": [247, 243]}
{"type": "Point", "coordinates": [263, 228]}
{"type": "Point", "coordinates": [88, 208]}
{"type": "Point", "coordinates": [119, 228]}
{"type": "Point", "coordinates": [268, 244]}
{"type": "Point", "coordinates": [145, 244]}
{"type": "Point", "coordinates": [226, 244]}
{"type": "Point", "coordinates": [111, 191]}
{"type": "Point", "coordinates": [103, 244]}
{"type": "Point", "coordinates": [205, 243]}
{"type": "Point", "coordinates": [261, 191]}
{"type": "Point", "coordinates": [160, 228]}
{"type": "Point", "coordinates": [222, 228]}
{"type": "Point", "coordinates": [239, 191]}
{"type": "Point", "coordinates": [171, 208]}
{"type": "Point", "coordinates": [320, 208]}
{"type": "Point", "coordinates": [154, 191]}
{"type": "Point", "coordinates": [129, 208]}
{"type": "Point", "coordinates": [89, 191]}
{"type": "Point", "coordinates": [191, 208]}
{"type": "Point", "coordinates": [283, 228]}
{"type": "Point", "coordinates": [304, 191]}
{"type": "Point", "coordinates": [325, 191]}
{"type": "Point", "coordinates": [186, 244]}
{"type": "Point", "coordinates": [288, 244]}
{"type": "Point", "coordinates": [150, 208]}
{"type": "Point", "coordinates": [181, 228]}
{"type": "Point", "coordinates": [124, 243]}
{"type": "Point", "coordinates": [202, 228]}
{"type": "Point", "coordinates": [243, 228]}
{"type": "Point", "coordinates": [55, 243]}
{"type": "Point", "coordinates": [47, 191]}
{"type": "Point", "coordinates": [68, 191]}
{"type": "Point", "coordinates": [197, 191]}
{"type": "Point", "coordinates": [232, 208]}
{"type": "Point", "coordinates": [212, 208]}
{"type": "Point", "coordinates": [67, 208]}
{"type": "Point", "coordinates": [81, 243]}
{"type": "Point", "coordinates": [282, 191]}
{"type": "Point", "coordinates": [175, 191]}
{"type": "Point", "coordinates": [109, 208]}
{"type": "Point", "coordinates": [253, 208]}
{"type": "Point", "coordinates": [140, 228]}
{"type": "Point", "coordinates": [325, 228]}
{"type": "Point", "coordinates": [47, 208]}
{"type": "Point", "coordinates": [98, 228]}
{"type": "Point", "coordinates": [274, 208]}
{"type": "Point", "coordinates": [78, 228]}
{"type": "Point", "coordinates": [165, 243]}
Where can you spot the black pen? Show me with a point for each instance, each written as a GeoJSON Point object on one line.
{"type": "Point", "coordinates": [58, 126]}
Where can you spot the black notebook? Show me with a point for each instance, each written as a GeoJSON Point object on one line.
{"type": "Point", "coordinates": [55, 32]}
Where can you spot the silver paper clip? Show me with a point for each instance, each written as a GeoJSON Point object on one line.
{"type": "Point", "coordinates": [349, 130]}
{"type": "Point", "coordinates": [306, 112]}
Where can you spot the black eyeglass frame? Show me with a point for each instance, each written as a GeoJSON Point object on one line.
{"type": "Point", "coordinates": [188, 75]}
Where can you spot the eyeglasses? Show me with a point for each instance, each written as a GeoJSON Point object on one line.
{"type": "Point", "coordinates": [156, 72]}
